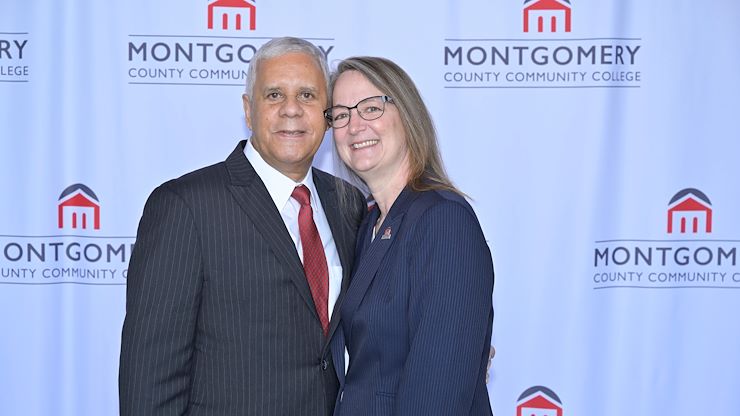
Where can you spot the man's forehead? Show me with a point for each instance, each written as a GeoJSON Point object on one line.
{"type": "Point", "coordinates": [302, 86]}
{"type": "Point", "coordinates": [297, 84]}
{"type": "Point", "coordinates": [291, 73]}
{"type": "Point", "coordinates": [296, 60]}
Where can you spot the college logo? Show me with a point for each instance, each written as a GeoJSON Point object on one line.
{"type": "Point", "coordinates": [692, 261]}
{"type": "Point", "coordinates": [546, 16]}
{"type": "Point", "coordinates": [204, 57]}
{"type": "Point", "coordinates": [689, 212]}
{"type": "Point", "coordinates": [232, 14]}
{"type": "Point", "coordinates": [539, 401]}
{"type": "Point", "coordinates": [537, 48]}
{"type": "Point", "coordinates": [78, 208]}
{"type": "Point", "coordinates": [70, 256]}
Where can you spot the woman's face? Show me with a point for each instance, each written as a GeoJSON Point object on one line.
{"type": "Point", "coordinates": [376, 149]}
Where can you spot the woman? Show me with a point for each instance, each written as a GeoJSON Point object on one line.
{"type": "Point", "coordinates": [416, 319]}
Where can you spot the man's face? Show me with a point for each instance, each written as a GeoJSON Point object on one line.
{"type": "Point", "coordinates": [285, 113]}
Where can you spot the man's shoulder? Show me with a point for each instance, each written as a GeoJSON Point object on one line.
{"type": "Point", "coordinates": [325, 178]}
{"type": "Point", "coordinates": [350, 200]}
{"type": "Point", "coordinates": [209, 176]}
{"type": "Point", "coordinates": [195, 184]}
{"type": "Point", "coordinates": [332, 182]}
{"type": "Point", "coordinates": [202, 177]}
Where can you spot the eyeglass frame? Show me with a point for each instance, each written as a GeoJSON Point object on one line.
{"type": "Point", "coordinates": [384, 98]}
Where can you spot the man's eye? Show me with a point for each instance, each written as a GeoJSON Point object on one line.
{"type": "Point", "coordinates": [274, 95]}
{"type": "Point", "coordinates": [306, 96]}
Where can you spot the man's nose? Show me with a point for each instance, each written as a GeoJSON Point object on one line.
{"type": "Point", "coordinates": [291, 107]}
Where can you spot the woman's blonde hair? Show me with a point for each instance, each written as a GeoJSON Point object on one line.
{"type": "Point", "coordinates": [427, 171]}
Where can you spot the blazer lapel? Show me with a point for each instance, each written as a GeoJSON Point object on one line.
{"type": "Point", "coordinates": [254, 199]}
{"type": "Point", "coordinates": [369, 262]}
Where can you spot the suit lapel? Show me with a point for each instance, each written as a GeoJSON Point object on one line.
{"type": "Point", "coordinates": [334, 216]}
{"type": "Point", "coordinates": [254, 199]}
{"type": "Point", "coordinates": [343, 238]}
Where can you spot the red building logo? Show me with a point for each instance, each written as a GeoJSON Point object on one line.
{"type": "Point", "coordinates": [689, 212]}
{"type": "Point", "coordinates": [78, 207]}
{"type": "Point", "coordinates": [232, 14]}
{"type": "Point", "coordinates": [547, 16]}
{"type": "Point", "coordinates": [539, 401]}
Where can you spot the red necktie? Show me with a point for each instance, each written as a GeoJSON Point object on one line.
{"type": "Point", "coordinates": [314, 259]}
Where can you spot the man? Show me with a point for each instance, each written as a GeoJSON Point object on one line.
{"type": "Point", "coordinates": [221, 318]}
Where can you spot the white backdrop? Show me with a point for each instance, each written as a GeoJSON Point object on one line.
{"type": "Point", "coordinates": [572, 141]}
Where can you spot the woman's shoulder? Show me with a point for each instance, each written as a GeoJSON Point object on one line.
{"type": "Point", "coordinates": [441, 200]}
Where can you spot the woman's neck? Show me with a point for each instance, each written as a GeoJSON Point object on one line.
{"type": "Point", "coordinates": [386, 193]}
{"type": "Point", "coordinates": [386, 185]}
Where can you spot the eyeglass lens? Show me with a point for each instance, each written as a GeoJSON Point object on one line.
{"type": "Point", "coordinates": [370, 108]}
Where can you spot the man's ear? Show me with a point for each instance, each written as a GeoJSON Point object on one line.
{"type": "Point", "coordinates": [247, 110]}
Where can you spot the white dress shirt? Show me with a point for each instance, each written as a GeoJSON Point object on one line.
{"type": "Point", "coordinates": [280, 188]}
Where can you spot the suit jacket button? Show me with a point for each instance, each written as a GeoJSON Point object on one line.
{"type": "Point", "coordinates": [324, 365]}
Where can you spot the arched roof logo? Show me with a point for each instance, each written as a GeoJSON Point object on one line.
{"type": "Point", "coordinates": [232, 14]}
{"type": "Point", "coordinates": [547, 16]}
{"type": "Point", "coordinates": [78, 206]}
{"type": "Point", "coordinates": [689, 211]}
{"type": "Point", "coordinates": [539, 401]}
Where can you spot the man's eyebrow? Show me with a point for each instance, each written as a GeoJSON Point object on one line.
{"type": "Point", "coordinates": [311, 89]}
{"type": "Point", "coordinates": [269, 89]}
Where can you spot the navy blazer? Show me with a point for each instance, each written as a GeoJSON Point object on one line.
{"type": "Point", "coordinates": [417, 316]}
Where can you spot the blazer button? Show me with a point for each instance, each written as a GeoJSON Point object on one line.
{"type": "Point", "coordinates": [324, 365]}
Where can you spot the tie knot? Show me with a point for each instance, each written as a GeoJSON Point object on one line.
{"type": "Point", "coordinates": [302, 195]}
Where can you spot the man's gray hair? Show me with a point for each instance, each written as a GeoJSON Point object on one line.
{"type": "Point", "coordinates": [281, 46]}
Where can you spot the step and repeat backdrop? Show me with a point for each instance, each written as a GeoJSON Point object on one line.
{"type": "Point", "coordinates": [598, 141]}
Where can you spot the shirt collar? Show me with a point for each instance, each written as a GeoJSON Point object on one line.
{"type": "Point", "coordinates": [278, 185]}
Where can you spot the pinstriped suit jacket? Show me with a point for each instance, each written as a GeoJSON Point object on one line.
{"type": "Point", "coordinates": [417, 316]}
{"type": "Point", "coordinates": [219, 316]}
